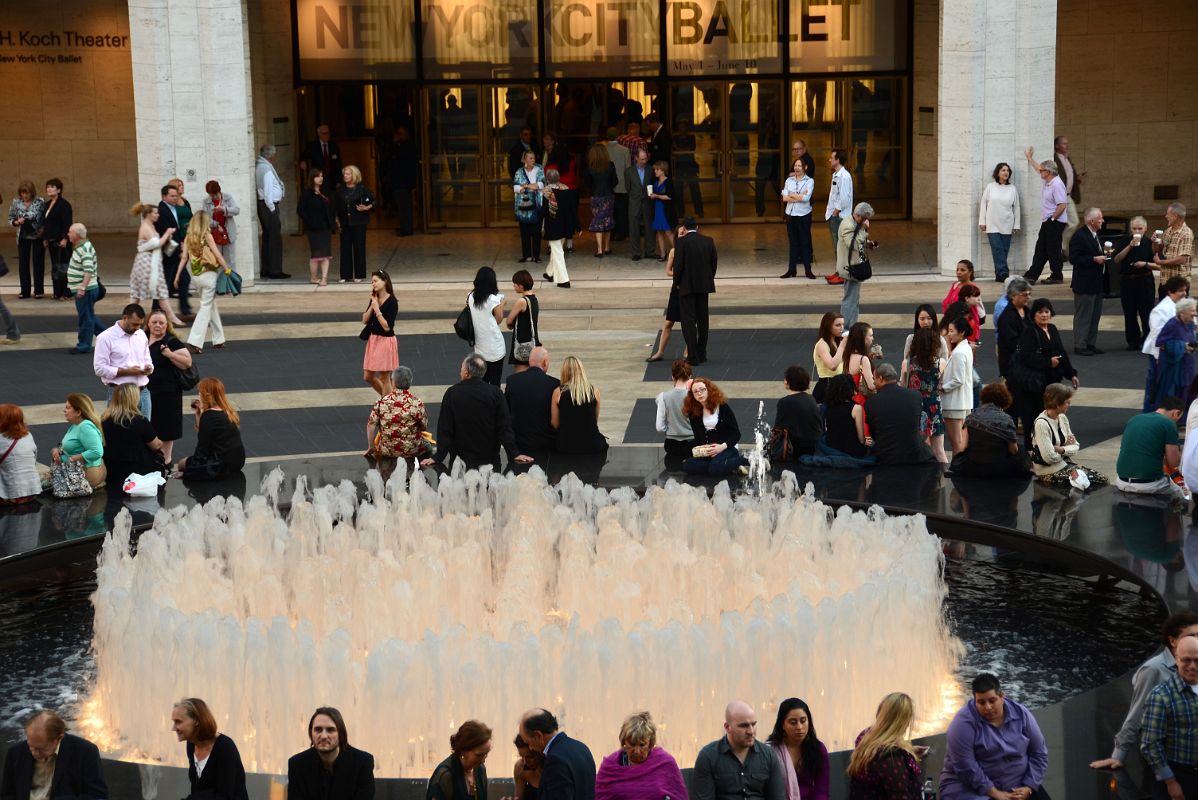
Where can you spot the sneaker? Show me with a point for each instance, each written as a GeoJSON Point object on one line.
{"type": "Point", "coordinates": [834, 280]}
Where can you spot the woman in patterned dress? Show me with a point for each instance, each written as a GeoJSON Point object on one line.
{"type": "Point", "coordinates": [924, 368]}
{"type": "Point", "coordinates": [147, 282]}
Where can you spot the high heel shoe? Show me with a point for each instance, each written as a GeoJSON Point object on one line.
{"type": "Point", "coordinates": [651, 359]}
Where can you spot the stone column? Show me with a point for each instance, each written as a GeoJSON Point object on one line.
{"type": "Point", "coordinates": [193, 108]}
{"type": "Point", "coordinates": [997, 96]}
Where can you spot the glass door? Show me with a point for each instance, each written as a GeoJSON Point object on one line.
{"type": "Point", "coordinates": [697, 117]}
{"type": "Point", "coordinates": [454, 164]}
{"type": "Point", "coordinates": [727, 149]}
{"type": "Point", "coordinates": [754, 151]}
{"type": "Point", "coordinates": [510, 109]}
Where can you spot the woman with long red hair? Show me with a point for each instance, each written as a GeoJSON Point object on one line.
{"type": "Point", "coordinates": [715, 429]}
{"type": "Point", "coordinates": [19, 480]}
{"type": "Point", "coordinates": [219, 452]}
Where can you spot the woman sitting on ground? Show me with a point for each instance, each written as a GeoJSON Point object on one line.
{"type": "Point", "coordinates": [397, 421]}
{"type": "Point", "coordinates": [574, 411]}
{"type": "Point", "coordinates": [798, 414]}
{"type": "Point", "coordinates": [639, 770]}
{"type": "Point", "coordinates": [989, 445]}
{"type": "Point", "coordinates": [715, 429]}
{"type": "Point", "coordinates": [1053, 442]}
{"type": "Point", "coordinates": [219, 452]}
{"type": "Point", "coordinates": [19, 479]}
{"type": "Point", "coordinates": [885, 764]}
{"type": "Point", "coordinates": [844, 419]}
{"type": "Point", "coordinates": [83, 441]}
{"type": "Point", "coordinates": [131, 445]}
{"type": "Point", "coordinates": [670, 419]}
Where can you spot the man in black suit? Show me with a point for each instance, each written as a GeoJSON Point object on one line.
{"type": "Point", "coordinates": [52, 763]}
{"type": "Point", "coordinates": [330, 769]}
{"type": "Point", "coordinates": [569, 771]}
{"type": "Point", "coordinates": [525, 144]}
{"type": "Point", "coordinates": [474, 422]}
{"type": "Point", "coordinates": [694, 274]}
{"type": "Point", "coordinates": [324, 155]}
{"type": "Point", "coordinates": [893, 419]}
{"type": "Point", "coordinates": [175, 212]}
{"type": "Point", "coordinates": [640, 208]}
{"type": "Point", "coordinates": [529, 396]}
{"type": "Point", "coordinates": [1088, 259]}
{"type": "Point", "coordinates": [661, 141]}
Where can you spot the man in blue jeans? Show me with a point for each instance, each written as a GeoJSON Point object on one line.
{"type": "Point", "coordinates": [83, 281]}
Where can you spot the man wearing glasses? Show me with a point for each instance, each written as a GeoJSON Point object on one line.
{"type": "Point", "coordinates": [1167, 740]}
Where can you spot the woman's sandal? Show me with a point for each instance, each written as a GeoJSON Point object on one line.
{"type": "Point", "coordinates": [654, 358]}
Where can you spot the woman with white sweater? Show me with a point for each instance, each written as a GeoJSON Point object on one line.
{"type": "Point", "coordinates": [956, 385]}
{"type": "Point", "coordinates": [999, 217]}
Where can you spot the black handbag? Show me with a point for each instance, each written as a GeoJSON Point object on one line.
{"type": "Point", "coordinates": [861, 271]}
{"type": "Point", "coordinates": [187, 378]}
{"type": "Point", "coordinates": [101, 292]}
{"type": "Point", "coordinates": [1022, 377]}
{"type": "Point", "coordinates": [463, 326]}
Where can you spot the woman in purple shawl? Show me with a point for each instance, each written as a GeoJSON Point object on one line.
{"type": "Point", "coordinates": [803, 756]}
{"type": "Point", "coordinates": [639, 770]}
{"type": "Point", "coordinates": [1175, 366]}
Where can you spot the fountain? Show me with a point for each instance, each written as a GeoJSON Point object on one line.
{"type": "Point", "coordinates": [421, 606]}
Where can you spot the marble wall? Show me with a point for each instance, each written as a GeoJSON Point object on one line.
{"type": "Point", "coordinates": [67, 96]}
{"type": "Point", "coordinates": [996, 95]}
{"type": "Point", "coordinates": [1127, 99]}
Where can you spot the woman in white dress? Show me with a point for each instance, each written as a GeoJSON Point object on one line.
{"type": "Point", "coordinates": [147, 282]}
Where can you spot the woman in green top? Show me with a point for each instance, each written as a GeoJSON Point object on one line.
{"type": "Point", "coordinates": [462, 775]}
{"type": "Point", "coordinates": [83, 441]}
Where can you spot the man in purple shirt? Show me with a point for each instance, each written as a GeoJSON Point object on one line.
{"type": "Point", "coordinates": [1054, 218]}
{"type": "Point", "coordinates": [123, 355]}
{"type": "Point", "coordinates": [995, 749]}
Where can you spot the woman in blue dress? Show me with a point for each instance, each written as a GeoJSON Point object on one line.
{"type": "Point", "coordinates": [665, 216]}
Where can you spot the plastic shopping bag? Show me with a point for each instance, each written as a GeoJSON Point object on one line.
{"type": "Point", "coordinates": [143, 485]}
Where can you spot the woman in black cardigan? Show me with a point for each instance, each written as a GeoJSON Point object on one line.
{"type": "Point", "coordinates": [59, 217]}
{"type": "Point", "coordinates": [213, 763]}
{"type": "Point", "coordinates": [1043, 359]}
{"type": "Point", "coordinates": [715, 429]}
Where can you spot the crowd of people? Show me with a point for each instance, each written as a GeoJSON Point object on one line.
{"type": "Point", "coordinates": [145, 370]}
{"type": "Point", "coordinates": [995, 749]}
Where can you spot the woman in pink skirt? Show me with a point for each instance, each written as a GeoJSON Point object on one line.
{"type": "Point", "coordinates": [382, 352]}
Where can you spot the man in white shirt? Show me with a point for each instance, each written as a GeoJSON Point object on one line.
{"type": "Point", "coordinates": [123, 355]}
{"type": "Point", "coordinates": [840, 201]}
{"type": "Point", "coordinates": [1175, 288]}
{"type": "Point", "coordinates": [270, 195]}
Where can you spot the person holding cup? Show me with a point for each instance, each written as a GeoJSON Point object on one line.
{"type": "Point", "coordinates": [1137, 282]}
{"type": "Point", "coordinates": [1089, 255]}
{"type": "Point", "coordinates": [1173, 248]}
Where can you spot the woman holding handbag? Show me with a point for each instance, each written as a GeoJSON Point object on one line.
{"type": "Point", "coordinates": [83, 444]}
{"type": "Point", "coordinates": [170, 357]}
{"type": "Point", "coordinates": [27, 213]}
{"type": "Point", "coordinates": [59, 218]}
{"type": "Point", "coordinates": [203, 258]}
{"type": "Point", "coordinates": [522, 320]}
{"type": "Point", "coordinates": [382, 351]}
{"type": "Point", "coordinates": [222, 208]}
{"type": "Point", "coordinates": [527, 184]}
{"type": "Point", "coordinates": [147, 282]}
{"type": "Point", "coordinates": [1041, 360]}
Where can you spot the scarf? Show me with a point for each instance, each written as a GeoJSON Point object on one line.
{"type": "Point", "coordinates": [788, 769]}
{"type": "Point", "coordinates": [656, 777]}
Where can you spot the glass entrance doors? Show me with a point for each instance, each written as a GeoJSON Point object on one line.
{"type": "Point", "coordinates": [727, 149]}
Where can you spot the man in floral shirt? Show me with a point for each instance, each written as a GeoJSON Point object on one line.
{"type": "Point", "coordinates": [397, 420]}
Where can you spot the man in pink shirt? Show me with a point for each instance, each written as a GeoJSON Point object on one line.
{"type": "Point", "coordinates": [123, 355]}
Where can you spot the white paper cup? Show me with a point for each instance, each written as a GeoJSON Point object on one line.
{"type": "Point", "coordinates": [649, 191]}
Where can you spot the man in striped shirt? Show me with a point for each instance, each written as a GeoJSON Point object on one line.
{"type": "Point", "coordinates": [1169, 734]}
{"type": "Point", "coordinates": [83, 280]}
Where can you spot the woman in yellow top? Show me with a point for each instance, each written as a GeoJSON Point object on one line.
{"type": "Point", "coordinates": [829, 352]}
{"type": "Point", "coordinates": [203, 258]}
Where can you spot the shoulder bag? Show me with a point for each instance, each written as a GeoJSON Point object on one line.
{"type": "Point", "coordinates": [68, 479]}
{"type": "Point", "coordinates": [779, 447]}
{"type": "Point", "coordinates": [1022, 377]}
{"type": "Point", "coordinates": [186, 378]}
{"type": "Point", "coordinates": [522, 350]}
{"type": "Point", "coordinates": [463, 326]}
{"type": "Point", "coordinates": [861, 271]}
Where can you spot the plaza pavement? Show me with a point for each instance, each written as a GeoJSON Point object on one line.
{"type": "Point", "coordinates": [293, 362]}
